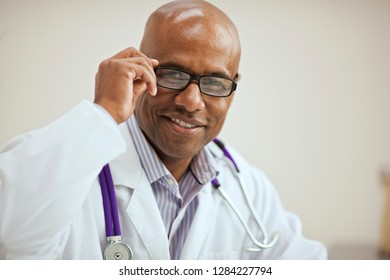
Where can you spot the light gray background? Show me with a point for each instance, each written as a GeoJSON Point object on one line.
{"type": "Point", "coordinates": [312, 108]}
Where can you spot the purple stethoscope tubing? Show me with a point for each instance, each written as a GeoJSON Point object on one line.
{"type": "Point", "coordinates": [110, 206]}
{"type": "Point", "coordinates": [111, 215]}
{"type": "Point", "coordinates": [115, 249]}
{"type": "Point", "coordinates": [221, 145]}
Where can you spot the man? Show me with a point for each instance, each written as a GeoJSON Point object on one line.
{"type": "Point", "coordinates": [170, 99]}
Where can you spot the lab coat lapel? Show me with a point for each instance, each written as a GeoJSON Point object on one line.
{"type": "Point", "coordinates": [146, 218]}
{"type": "Point", "coordinates": [142, 209]}
{"type": "Point", "coordinates": [204, 218]}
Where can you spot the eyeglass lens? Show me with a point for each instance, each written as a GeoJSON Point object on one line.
{"type": "Point", "coordinates": [179, 80]}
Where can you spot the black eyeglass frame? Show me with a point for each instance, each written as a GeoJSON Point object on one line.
{"type": "Point", "coordinates": [197, 79]}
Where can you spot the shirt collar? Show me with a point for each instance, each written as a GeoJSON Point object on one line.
{"type": "Point", "coordinates": [151, 163]}
{"type": "Point", "coordinates": [203, 165]}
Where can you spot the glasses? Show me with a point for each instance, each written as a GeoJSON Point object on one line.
{"type": "Point", "coordinates": [209, 84]}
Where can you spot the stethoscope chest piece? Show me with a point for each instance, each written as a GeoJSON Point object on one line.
{"type": "Point", "coordinates": [116, 250]}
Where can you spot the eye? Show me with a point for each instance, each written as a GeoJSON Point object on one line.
{"type": "Point", "coordinates": [171, 74]}
{"type": "Point", "coordinates": [215, 83]}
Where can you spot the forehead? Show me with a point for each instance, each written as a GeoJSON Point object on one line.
{"type": "Point", "coordinates": [197, 45]}
{"type": "Point", "coordinates": [197, 52]}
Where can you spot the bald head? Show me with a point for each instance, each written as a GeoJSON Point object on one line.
{"type": "Point", "coordinates": [195, 25]}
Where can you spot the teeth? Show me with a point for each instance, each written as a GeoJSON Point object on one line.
{"type": "Point", "coordinates": [182, 124]}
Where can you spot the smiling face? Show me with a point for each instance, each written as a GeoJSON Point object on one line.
{"type": "Point", "coordinates": [180, 123]}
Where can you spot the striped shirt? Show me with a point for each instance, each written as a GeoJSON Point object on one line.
{"type": "Point", "coordinates": [175, 200]}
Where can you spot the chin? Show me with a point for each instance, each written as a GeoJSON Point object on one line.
{"type": "Point", "coordinates": [180, 150]}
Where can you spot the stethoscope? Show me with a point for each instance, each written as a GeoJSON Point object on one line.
{"type": "Point", "coordinates": [117, 250]}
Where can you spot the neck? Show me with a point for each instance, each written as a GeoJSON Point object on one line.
{"type": "Point", "coordinates": [177, 167]}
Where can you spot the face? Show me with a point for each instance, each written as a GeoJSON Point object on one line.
{"type": "Point", "coordinates": [180, 123]}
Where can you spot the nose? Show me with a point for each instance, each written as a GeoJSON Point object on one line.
{"type": "Point", "coordinates": [191, 98]}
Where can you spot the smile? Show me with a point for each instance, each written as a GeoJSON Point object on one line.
{"type": "Point", "coordinates": [182, 123]}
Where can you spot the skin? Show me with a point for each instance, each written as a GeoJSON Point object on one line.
{"type": "Point", "coordinates": [193, 36]}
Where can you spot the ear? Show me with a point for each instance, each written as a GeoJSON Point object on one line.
{"type": "Point", "coordinates": [237, 78]}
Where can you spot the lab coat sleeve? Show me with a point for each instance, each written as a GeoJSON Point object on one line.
{"type": "Point", "coordinates": [291, 244]}
{"type": "Point", "coordinates": [45, 176]}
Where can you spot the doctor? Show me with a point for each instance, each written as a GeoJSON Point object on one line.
{"type": "Point", "coordinates": [155, 114]}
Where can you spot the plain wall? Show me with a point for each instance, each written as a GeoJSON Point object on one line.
{"type": "Point", "coordinates": [311, 110]}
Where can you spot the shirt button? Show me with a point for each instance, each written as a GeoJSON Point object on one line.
{"type": "Point", "coordinates": [171, 182]}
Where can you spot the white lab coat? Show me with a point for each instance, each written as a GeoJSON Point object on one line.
{"type": "Point", "coordinates": [51, 204]}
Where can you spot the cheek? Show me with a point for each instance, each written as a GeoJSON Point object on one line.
{"type": "Point", "coordinates": [219, 109]}
{"type": "Point", "coordinates": [143, 110]}
{"type": "Point", "coordinates": [138, 105]}
{"type": "Point", "coordinates": [146, 110]}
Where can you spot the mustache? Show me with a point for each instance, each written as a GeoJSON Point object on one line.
{"type": "Point", "coordinates": [182, 111]}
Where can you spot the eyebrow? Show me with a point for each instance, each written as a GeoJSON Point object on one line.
{"type": "Point", "coordinates": [181, 68]}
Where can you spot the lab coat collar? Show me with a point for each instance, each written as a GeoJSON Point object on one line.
{"type": "Point", "coordinates": [126, 169]}
{"type": "Point", "coordinates": [152, 165]}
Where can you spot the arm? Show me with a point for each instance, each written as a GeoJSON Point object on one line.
{"type": "Point", "coordinates": [46, 175]}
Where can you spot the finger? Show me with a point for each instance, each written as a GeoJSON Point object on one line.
{"type": "Point", "coordinates": [138, 72]}
{"type": "Point", "coordinates": [146, 62]}
{"type": "Point", "coordinates": [140, 86]}
{"type": "Point", "coordinates": [151, 85]}
{"type": "Point", "coordinates": [144, 71]}
{"type": "Point", "coordinates": [133, 52]}
{"type": "Point", "coordinates": [132, 68]}
{"type": "Point", "coordinates": [129, 52]}
{"type": "Point", "coordinates": [154, 62]}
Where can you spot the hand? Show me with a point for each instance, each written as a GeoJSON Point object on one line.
{"type": "Point", "coordinates": [121, 79]}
